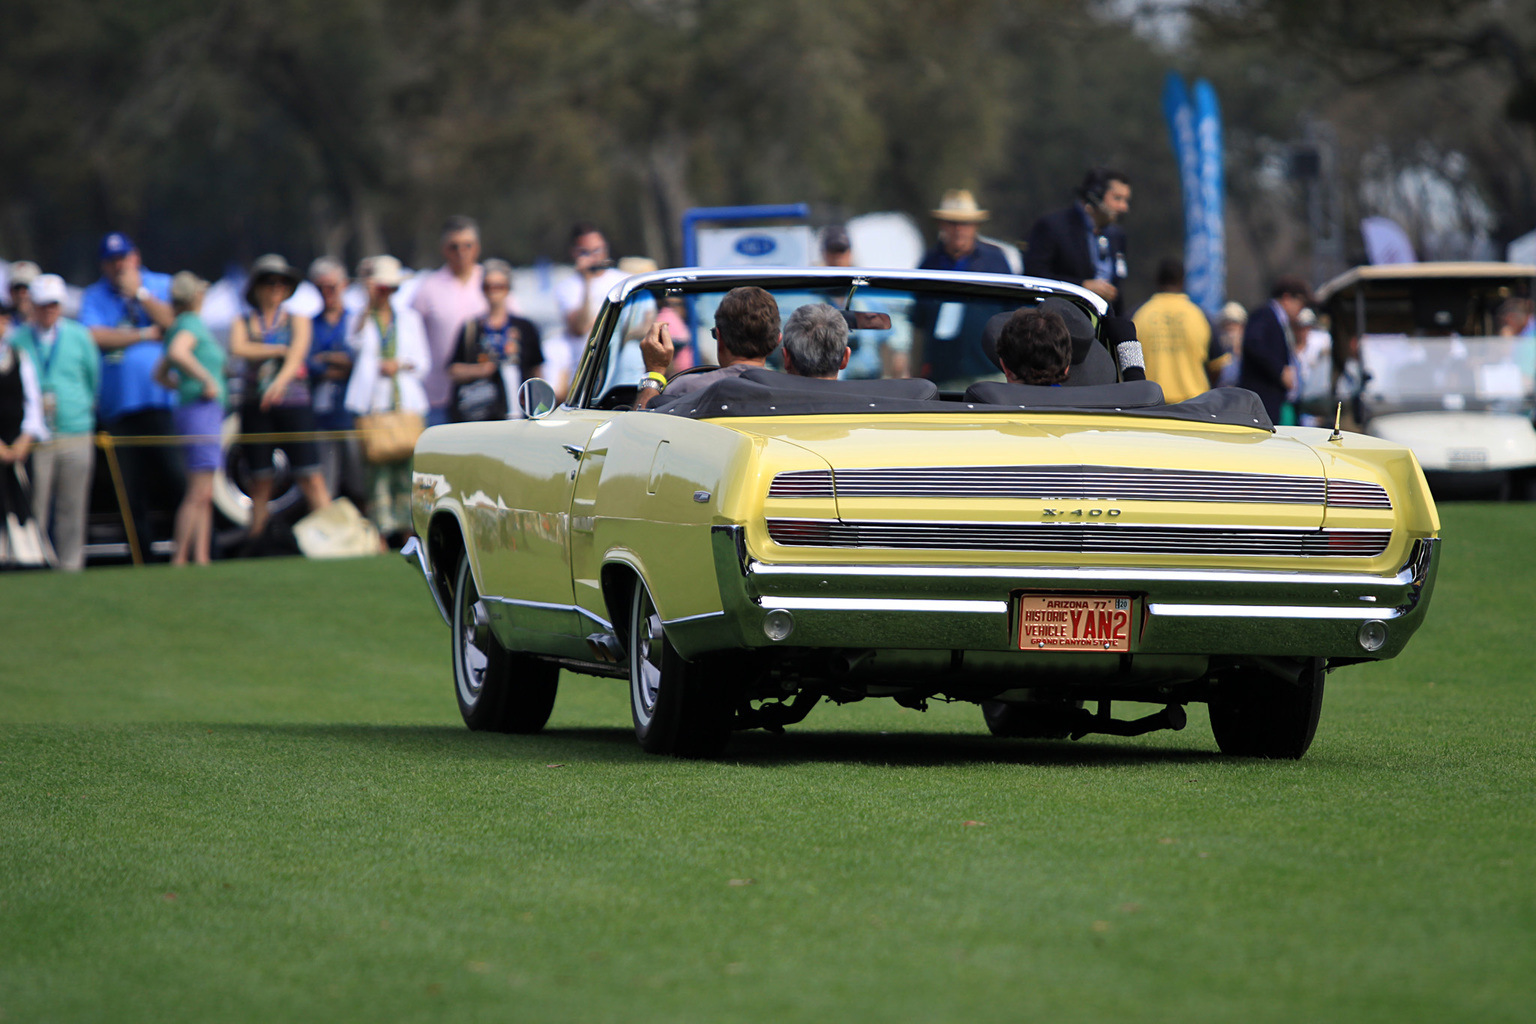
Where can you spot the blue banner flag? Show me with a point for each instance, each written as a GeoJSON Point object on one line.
{"type": "Point", "coordinates": [1194, 126]}
{"type": "Point", "coordinates": [1213, 290]}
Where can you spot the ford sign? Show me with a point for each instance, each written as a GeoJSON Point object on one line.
{"type": "Point", "coordinates": [756, 246]}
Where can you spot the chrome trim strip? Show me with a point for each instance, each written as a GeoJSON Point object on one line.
{"type": "Point", "coordinates": [546, 606]}
{"type": "Point", "coordinates": [884, 604]}
{"type": "Point", "coordinates": [1257, 611]}
{"type": "Point", "coordinates": [699, 278]}
{"type": "Point", "coordinates": [415, 551]}
{"type": "Point", "coordinates": [948, 524]}
{"type": "Point", "coordinates": [702, 617]}
{"type": "Point", "coordinates": [1078, 483]}
{"type": "Point", "coordinates": [1403, 576]}
{"type": "Point", "coordinates": [1079, 536]}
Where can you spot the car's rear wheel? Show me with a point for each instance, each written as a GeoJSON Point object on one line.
{"type": "Point", "coordinates": [1267, 716]}
{"type": "Point", "coordinates": [1041, 720]}
{"type": "Point", "coordinates": [498, 690]}
{"type": "Point", "coordinates": [676, 708]}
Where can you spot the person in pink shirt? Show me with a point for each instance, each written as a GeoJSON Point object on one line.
{"type": "Point", "coordinates": [445, 299]}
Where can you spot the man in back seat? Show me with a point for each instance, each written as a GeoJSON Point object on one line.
{"type": "Point", "coordinates": [1035, 348]}
{"type": "Point", "coordinates": [816, 341]}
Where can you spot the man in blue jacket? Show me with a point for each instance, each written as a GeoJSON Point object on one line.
{"type": "Point", "coordinates": [127, 311]}
{"type": "Point", "coordinates": [1267, 368]}
{"type": "Point", "coordinates": [958, 247]}
{"type": "Point", "coordinates": [950, 353]}
{"type": "Point", "coordinates": [1084, 244]}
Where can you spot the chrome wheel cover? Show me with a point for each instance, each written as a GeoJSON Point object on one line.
{"type": "Point", "coordinates": [645, 646]}
{"type": "Point", "coordinates": [472, 640]}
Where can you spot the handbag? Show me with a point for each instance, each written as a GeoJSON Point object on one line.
{"type": "Point", "coordinates": [389, 436]}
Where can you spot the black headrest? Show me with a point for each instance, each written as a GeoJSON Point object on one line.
{"type": "Point", "coordinates": [1079, 327]}
{"type": "Point", "coordinates": [1097, 367]}
{"type": "Point", "coordinates": [1139, 394]}
{"type": "Point", "coordinates": [916, 388]}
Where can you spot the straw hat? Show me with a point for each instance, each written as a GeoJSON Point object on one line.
{"type": "Point", "coordinates": [637, 265]}
{"type": "Point", "coordinates": [383, 271]}
{"type": "Point", "coordinates": [1234, 313]}
{"type": "Point", "coordinates": [959, 206]}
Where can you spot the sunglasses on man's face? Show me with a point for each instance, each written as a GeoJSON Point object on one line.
{"type": "Point", "coordinates": [460, 246]}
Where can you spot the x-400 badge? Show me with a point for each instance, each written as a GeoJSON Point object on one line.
{"type": "Point", "coordinates": [1085, 513]}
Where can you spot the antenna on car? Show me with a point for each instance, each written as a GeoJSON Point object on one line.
{"type": "Point", "coordinates": [1338, 414]}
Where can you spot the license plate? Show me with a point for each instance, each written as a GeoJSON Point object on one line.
{"type": "Point", "coordinates": [1074, 622]}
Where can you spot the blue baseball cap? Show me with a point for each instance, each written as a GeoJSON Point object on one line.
{"type": "Point", "coordinates": [115, 245]}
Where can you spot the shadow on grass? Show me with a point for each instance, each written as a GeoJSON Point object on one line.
{"type": "Point", "coordinates": [746, 749]}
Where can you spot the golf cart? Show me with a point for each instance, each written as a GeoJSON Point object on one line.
{"type": "Point", "coordinates": [1437, 375]}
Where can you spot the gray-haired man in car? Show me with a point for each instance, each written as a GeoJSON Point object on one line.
{"type": "Point", "coordinates": [816, 341]}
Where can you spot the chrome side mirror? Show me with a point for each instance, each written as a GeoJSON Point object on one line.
{"type": "Point", "coordinates": [536, 398]}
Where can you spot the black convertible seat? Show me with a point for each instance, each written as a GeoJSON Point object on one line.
{"type": "Point", "coordinates": [1092, 364]}
{"type": "Point", "coordinates": [741, 396]}
{"type": "Point", "coordinates": [1096, 370]}
{"type": "Point", "coordinates": [1134, 394]}
{"type": "Point", "coordinates": [915, 388]}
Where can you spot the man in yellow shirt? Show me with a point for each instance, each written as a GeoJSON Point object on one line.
{"type": "Point", "coordinates": [1175, 336]}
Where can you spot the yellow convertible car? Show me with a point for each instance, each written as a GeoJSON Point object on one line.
{"type": "Point", "coordinates": [770, 541]}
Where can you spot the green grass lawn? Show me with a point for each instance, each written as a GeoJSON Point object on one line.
{"type": "Point", "coordinates": [243, 794]}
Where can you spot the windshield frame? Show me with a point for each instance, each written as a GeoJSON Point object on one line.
{"type": "Point", "coordinates": [685, 282]}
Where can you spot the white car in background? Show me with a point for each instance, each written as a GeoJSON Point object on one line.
{"type": "Point", "coordinates": [1439, 378]}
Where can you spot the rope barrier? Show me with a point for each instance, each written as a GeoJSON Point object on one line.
{"type": "Point", "coordinates": [110, 443]}
{"type": "Point", "coordinates": [153, 440]}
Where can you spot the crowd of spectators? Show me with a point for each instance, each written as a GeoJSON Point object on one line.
{"type": "Point", "coordinates": [140, 364]}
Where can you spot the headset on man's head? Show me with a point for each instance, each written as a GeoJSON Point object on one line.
{"type": "Point", "coordinates": [1096, 185]}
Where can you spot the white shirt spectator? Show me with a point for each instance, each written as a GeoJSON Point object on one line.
{"type": "Point", "coordinates": [368, 390]}
{"type": "Point", "coordinates": [566, 354]}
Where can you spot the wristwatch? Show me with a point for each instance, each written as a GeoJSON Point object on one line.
{"type": "Point", "coordinates": [653, 380]}
{"type": "Point", "coordinates": [142, 293]}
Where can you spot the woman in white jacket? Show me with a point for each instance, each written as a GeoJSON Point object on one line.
{"type": "Point", "coordinates": [391, 359]}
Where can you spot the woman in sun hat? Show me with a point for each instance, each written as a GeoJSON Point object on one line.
{"type": "Point", "coordinates": [390, 342]}
{"type": "Point", "coordinates": [193, 367]}
{"type": "Point", "coordinates": [276, 397]}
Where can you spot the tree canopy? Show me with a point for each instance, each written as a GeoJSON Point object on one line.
{"type": "Point", "coordinates": [214, 131]}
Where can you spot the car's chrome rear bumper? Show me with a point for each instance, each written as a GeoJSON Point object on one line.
{"type": "Point", "coordinates": [1180, 611]}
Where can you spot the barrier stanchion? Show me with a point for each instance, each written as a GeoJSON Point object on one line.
{"type": "Point", "coordinates": [109, 445]}
{"type": "Point", "coordinates": [109, 448]}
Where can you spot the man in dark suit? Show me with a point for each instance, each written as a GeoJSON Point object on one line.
{"type": "Point", "coordinates": [1267, 368]}
{"type": "Point", "coordinates": [1083, 244]}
